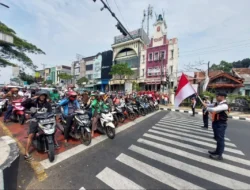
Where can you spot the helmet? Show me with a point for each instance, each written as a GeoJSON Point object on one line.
{"type": "Point", "coordinates": [42, 92]}
{"type": "Point", "coordinates": [72, 95]}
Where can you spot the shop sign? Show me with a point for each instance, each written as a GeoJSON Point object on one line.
{"type": "Point", "coordinates": [97, 67]}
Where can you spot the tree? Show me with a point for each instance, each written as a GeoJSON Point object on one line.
{"type": "Point", "coordinates": [224, 66]}
{"type": "Point", "coordinates": [26, 77]}
{"type": "Point", "coordinates": [17, 50]}
{"type": "Point", "coordinates": [135, 86]}
{"type": "Point", "coordinates": [65, 76]}
{"type": "Point", "coordinates": [122, 70]}
{"type": "Point", "coordinates": [82, 80]}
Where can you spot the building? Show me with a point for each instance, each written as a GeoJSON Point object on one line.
{"type": "Point", "coordinates": [53, 75]}
{"type": "Point", "coordinates": [62, 69]}
{"type": "Point", "coordinates": [127, 50]}
{"type": "Point", "coordinates": [75, 71]}
{"type": "Point", "coordinates": [15, 71]}
{"type": "Point", "coordinates": [220, 81]}
{"type": "Point", "coordinates": [47, 74]}
{"type": "Point", "coordinates": [244, 74]}
{"type": "Point", "coordinates": [162, 58]}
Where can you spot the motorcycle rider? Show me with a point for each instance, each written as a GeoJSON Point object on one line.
{"type": "Point", "coordinates": [40, 102]}
{"type": "Point", "coordinates": [96, 109]}
{"type": "Point", "coordinates": [11, 96]}
{"type": "Point", "coordinates": [70, 104]}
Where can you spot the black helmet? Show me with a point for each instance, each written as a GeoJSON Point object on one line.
{"type": "Point", "coordinates": [42, 92]}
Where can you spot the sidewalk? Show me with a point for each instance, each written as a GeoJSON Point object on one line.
{"type": "Point", "coordinates": [232, 115]}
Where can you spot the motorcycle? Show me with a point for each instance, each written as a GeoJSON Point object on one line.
{"type": "Point", "coordinates": [18, 114]}
{"type": "Point", "coordinates": [141, 108]}
{"type": "Point", "coordinates": [80, 129]}
{"type": "Point", "coordinates": [119, 113]}
{"type": "Point", "coordinates": [156, 105]}
{"type": "Point", "coordinates": [3, 105]}
{"type": "Point", "coordinates": [105, 124]}
{"type": "Point", "coordinates": [44, 140]}
{"type": "Point", "coordinates": [129, 112]}
{"type": "Point", "coordinates": [136, 110]}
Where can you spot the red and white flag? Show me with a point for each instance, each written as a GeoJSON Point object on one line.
{"type": "Point", "coordinates": [184, 90]}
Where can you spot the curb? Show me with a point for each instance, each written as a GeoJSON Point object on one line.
{"type": "Point", "coordinates": [36, 166]}
{"type": "Point", "coordinates": [200, 113]}
{"type": "Point", "coordinates": [8, 163]}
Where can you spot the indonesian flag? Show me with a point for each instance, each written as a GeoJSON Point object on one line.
{"type": "Point", "coordinates": [184, 90]}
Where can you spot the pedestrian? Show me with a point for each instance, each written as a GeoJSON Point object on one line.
{"type": "Point", "coordinates": [205, 112]}
{"type": "Point", "coordinates": [193, 104]}
{"type": "Point", "coordinates": [165, 100]}
{"type": "Point", "coordinates": [219, 112]}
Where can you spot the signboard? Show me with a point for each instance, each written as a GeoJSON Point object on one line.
{"type": "Point", "coordinates": [128, 87]}
{"type": "Point", "coordinates": [37, 74]}
{"type": "Point", "coordinates": [121, 38]}
{"type": "Point", "coordinates": [97, 67]}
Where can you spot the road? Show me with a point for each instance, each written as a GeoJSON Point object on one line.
{"type": "Point", "coordinates": [165, 151]}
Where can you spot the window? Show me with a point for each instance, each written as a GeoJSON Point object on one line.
{"type": "Point", "coordinates": [149, 71]}
{"type": "Point", "coordinates": [163, 54]}
{"type": "Point", "coordinates": [172, 54]}
{"type": "Point", "coordinates": [156, 56]}
{"type": "Point", "coordinates": [171, 69]}
{"type": "Point", "coordinates": [89, 67]}
{"type": "Point", "coordinates": [150, 57]}
{"type": "Point", "coordinates": [143, 58]}
{"type": "Point", "coordinates": [142, 72]}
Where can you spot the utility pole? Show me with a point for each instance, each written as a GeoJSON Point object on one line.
{"type": "Point", "coordinates": [119, 25]}
{"type": "Point", "coordinates": [208, 66]}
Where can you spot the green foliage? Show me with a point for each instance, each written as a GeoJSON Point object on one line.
{"type": "Point", "coordinates": [65, 76]}
{"type": "Point", "coordinates": [135, 86]}
{"type": "Point", "coordinates": [209, 94]}
{"type": "Point", "coordinates": [232, 97]}
{"type": "Point", "coordinates": [26, 77]}
{"type": "Point", "coordinates": [227, 66]}
{"type": "Point", "coordinates": [16, 50]}
{"type": "Point", "coordinates": [224, 66]}
{"type": "Point", "coordinates": [122, 70]}
{"type": "Point", "coordinates": [82, 80]}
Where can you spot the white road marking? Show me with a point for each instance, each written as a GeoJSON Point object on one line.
{"type": "Point", "coordinates": [172, 130]}
{"type": "Point", "coordinates": [190, 147]}
{"type": "Point", "coordinates": [156, 174]}
{"type": "Point", "coordinates": [198, 172]}
{"type": "Point", "coordinates": [73, 151]}
{"type": "Point", "coordinates": [195, 141]}
{"type": "Point", "coordinates": [190, 128]}
{"type": "Point", "coordinates": [179, 120]}
{"type": "Point", "coordinates": [194, 125]}
{"type": "Point", "coordinates": [185, 127]}
{"type": "Point", "coordinates": [208, 161]}
{"type": "Point", "coordinates": [116, 180]}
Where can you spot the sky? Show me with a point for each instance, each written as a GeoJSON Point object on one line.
{"type": "Point", "coordinates": [207, 30]}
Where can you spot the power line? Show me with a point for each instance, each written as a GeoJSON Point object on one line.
{"type": "Point", "coordinates": [214, 51]}
{"type": "Point", "coordinates": [216, 46]}
{"type": "Point", "coordinates": [120, 14]}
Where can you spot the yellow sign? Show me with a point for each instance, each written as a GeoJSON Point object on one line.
{"type": "Point", "coordinates": [37, 74]}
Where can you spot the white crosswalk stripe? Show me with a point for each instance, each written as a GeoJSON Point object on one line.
{"type": "Point", "coordinates": [194, 141]}
{"type": "Point", "coordinates": [172, 130]}
{"type": "Point", "coordinates": [178, 145]}
{"type": "Point", "coordinates": [156, 174]}
{"type": "Point", "coordinates": [213, 177]}
{"type": "Point", "coordinates": [116, 181]}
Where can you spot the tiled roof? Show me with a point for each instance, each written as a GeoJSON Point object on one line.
{"type": "Point", "coordinates": [242, 70]}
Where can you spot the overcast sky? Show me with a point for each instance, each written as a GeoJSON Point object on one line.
{"type": "Point", "coordinates": [208, 30]}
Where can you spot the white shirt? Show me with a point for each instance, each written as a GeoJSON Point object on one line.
{"type": "Point", "coordinates": [219, 108]}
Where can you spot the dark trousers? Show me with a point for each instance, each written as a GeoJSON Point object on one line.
{"type": "Point", "coordinates": [219, 131]}
{"type": "Point", "coordinates": [69, 121]}
{"type": "Point", "coordinates": [193, 110]}
{"type": "Point", "coordinates": [8, 112]}
{"type": "Point", "coordinates": [205, 119]}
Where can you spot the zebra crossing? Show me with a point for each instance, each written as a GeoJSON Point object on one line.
{"type": "Point", "coordinates": [173, 153]}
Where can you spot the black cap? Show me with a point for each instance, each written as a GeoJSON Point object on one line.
{"type": "Point", "coordinates": [221, 94]}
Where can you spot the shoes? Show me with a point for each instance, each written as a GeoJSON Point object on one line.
{"type": "Point", "coordinates": [216, 157]}
{"type": "Point", "coordinates": [212, 152]}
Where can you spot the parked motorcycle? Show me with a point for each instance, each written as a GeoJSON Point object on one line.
{"type": "Point", "coordinates": [119, 113]}
{"type": "Point", "coordinates": [3, 105]}
{"type": "Point", "coordinates": [105, 124]}
{"type": "Point", "coordinates": [80, 129]}
{"type": "Point", "coordinates": [129, 112]}
{"type": "Point", "coordinates": [18, 114]}
{"type": "Point", "coordinates": [44, 140]}
{"type": "Point", "coordinates": [136, 110]}
{"type": "Point", "coordinates": [156, 105]}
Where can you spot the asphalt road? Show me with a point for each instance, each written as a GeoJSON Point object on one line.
{"type": "Point", "coordinates": [165, 151]}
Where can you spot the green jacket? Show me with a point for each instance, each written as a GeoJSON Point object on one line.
{"type": "Point", "coordinates": [54, 96]}
{"type": "Point", "coordinates": [98, 106]}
